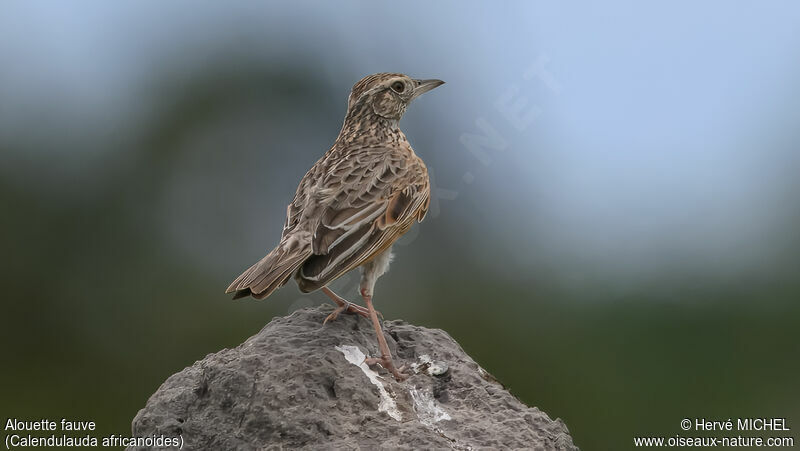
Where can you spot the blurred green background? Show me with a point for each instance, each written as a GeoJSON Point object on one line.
{"type": "Point", "coordinates": [622, 253]}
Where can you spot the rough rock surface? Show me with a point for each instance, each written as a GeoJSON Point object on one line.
{"type": "Point", "coordinates": [299, 384]}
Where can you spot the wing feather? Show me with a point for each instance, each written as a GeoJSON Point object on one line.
{"type": "Point", "coordinates": [382, 193]}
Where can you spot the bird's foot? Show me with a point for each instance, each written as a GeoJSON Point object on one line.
{"type": "Point", "coordinates": [344, 306]}
{"type": "Point", "coordinates": [347, 307]}
{"type": "Point", "coordinates": [386, 362]}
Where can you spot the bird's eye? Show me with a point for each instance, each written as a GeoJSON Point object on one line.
{"type": "Point", "coordinates": [398, 87]}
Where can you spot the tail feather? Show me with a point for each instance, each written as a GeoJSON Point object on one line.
{"type": "Point", "coordinates": [272, 271]}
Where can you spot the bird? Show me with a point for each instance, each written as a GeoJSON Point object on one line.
{"type": "Point", "coordinates": [362, 195]}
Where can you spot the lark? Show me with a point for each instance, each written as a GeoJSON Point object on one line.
{"type": "Point", "coordinates": [352, 205]}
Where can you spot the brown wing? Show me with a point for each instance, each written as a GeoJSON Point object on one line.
{"type": "Point", "coordinates": [300, 203]}
{"type": "Point", "coordinates": [379, 193]}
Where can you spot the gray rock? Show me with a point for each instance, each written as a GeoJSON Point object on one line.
{"type": "Point", "coordinates": [299, 384]}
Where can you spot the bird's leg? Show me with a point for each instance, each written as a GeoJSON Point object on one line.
{"type": "Point", "coordinates": [386, 356]}
{"type": "Point", "coordinates": [343, 306]}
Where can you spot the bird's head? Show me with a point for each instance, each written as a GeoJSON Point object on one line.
{"type": "Point", "coordinates": [386, 95]}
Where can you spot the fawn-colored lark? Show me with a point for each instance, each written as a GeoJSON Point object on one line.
{"type": "Point", "coordinates": [352, 205]}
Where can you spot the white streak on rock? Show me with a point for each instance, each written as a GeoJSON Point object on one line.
{"type": "Point", "coordinates": [354, 355]}
{"type": "Point", "coordinates": [428, 410]}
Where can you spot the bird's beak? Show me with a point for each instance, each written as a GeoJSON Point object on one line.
{"type": "Point", "coordinates": [423, 86]}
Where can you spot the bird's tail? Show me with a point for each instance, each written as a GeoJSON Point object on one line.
{"type": "Point", "coordinates": [272, 271]}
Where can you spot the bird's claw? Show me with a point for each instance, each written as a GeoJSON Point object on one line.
{"type": "Point", "coordinates": [334, 314]}
{"type": "Point", "coordinates": [347, 307]}
{"type": "Point", "coordinates": [386, 362]}
{"type": "Point", "coordinates": [343, 305]}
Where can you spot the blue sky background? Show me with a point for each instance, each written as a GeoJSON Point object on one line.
{"type": "Point", "coordinates": [668, 141]}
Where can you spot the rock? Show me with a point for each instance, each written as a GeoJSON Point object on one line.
{"type": "Point", "coordinates": [299, 384]}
